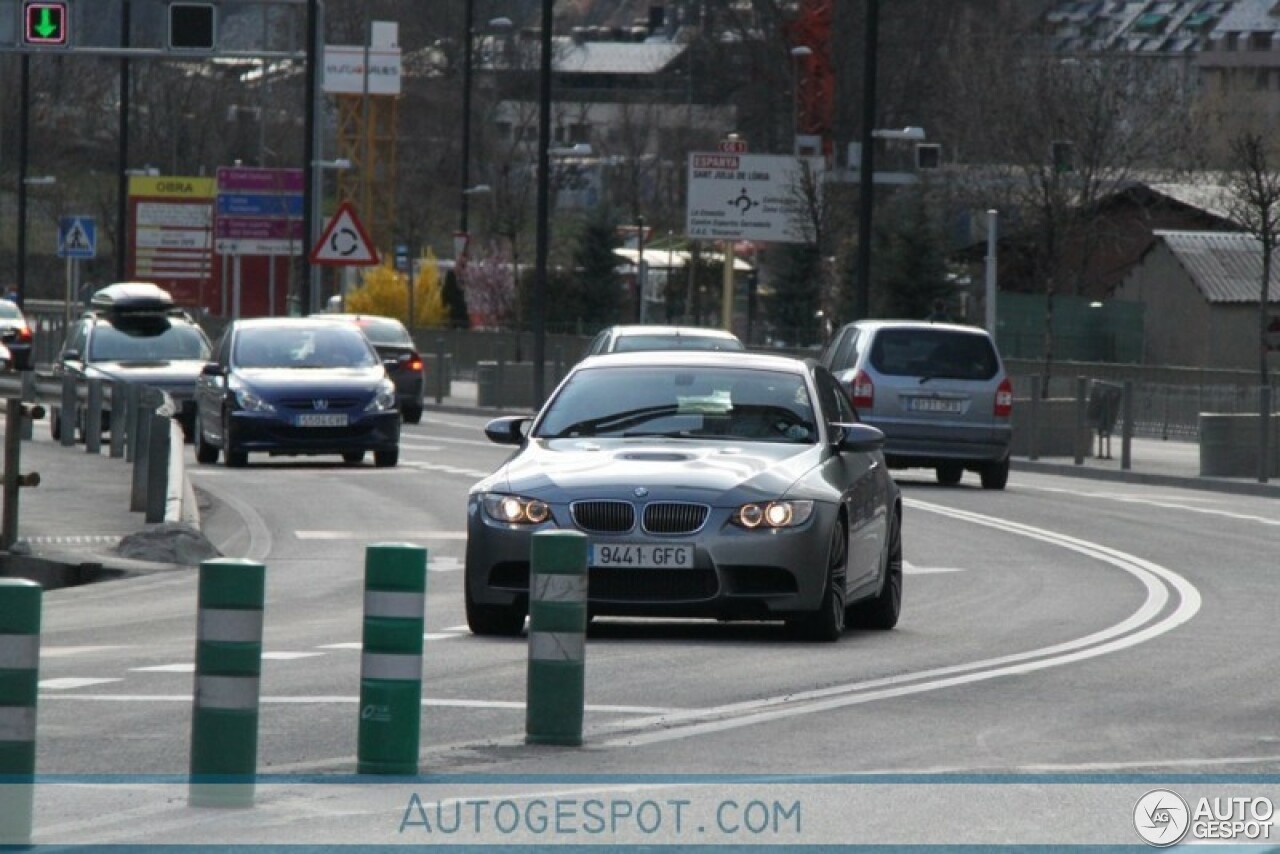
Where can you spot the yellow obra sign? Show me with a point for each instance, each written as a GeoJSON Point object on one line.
{"type": "Point", "coordinates": [175, 187]}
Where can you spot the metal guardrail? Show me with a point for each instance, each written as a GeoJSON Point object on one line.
{"type": "Point", "coordinates": [142, 426]}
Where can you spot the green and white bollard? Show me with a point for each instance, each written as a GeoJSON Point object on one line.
{"type": "Point", "coordinates": [224, 722]}
{"type": "Point", "coordinates": [20, 602]}
{"type": "Point", "coordinates": [557, 638]}
{"type": "Point", "coordinates": [395, 595]}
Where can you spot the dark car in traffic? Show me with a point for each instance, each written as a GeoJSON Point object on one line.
{"type": "Point", "coordinates": [721, 485]}
{"type": "Point", "coordinates": [400, 356]}
{"type": "Point", "coordinates": [133, 333]}
{"type": "Point", "coordinates": [15, 335]}
{"type": "Point", "coordinates": [295, 386]}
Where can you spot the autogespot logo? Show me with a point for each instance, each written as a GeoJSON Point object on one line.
{"type": "Point", "coordinates": [1161, 817]}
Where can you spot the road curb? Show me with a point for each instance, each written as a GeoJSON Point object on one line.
{"type": "Point", "coordinates": [1206, 484]}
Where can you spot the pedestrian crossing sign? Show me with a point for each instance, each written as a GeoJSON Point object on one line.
{"type": "Point", "coordinates": [77, 237]}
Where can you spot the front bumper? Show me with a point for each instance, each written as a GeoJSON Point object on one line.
{"type": "Point", "coordinates": [737, 574]}
{"type": "Point", "coordinates": [375, 431]}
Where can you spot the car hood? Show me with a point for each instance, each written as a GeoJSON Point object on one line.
{"type": "Point", "coordinates": [559, 470]}
{"type": "Point", "coordinates": [163, 373]}
{"type": "Point", "coordinates": [311, 380]}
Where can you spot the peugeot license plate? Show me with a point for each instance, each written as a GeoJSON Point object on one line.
{"type": "Point", "coordinates": [642, 555]}
{"type": "Point", "coordinates": [338, 419]}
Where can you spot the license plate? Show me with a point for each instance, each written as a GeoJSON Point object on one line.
{"type": "Point", "coordinates": [642, 555]}
{"type": "Point", "coordinates": [325, 420]}
{"type": "Point", "coordinates": [936, 404]}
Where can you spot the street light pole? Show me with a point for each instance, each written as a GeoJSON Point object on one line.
{"type": "Point", "coordinates": [24, 116]}
{"type": "Point", "coordinates": [862, 297]}
{"type": "Point", "coordinates": [543, 215]}
{"type": "Point", "coordinates": [468, 24]}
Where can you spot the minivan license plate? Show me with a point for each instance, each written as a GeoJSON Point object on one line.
{"type": "Point", "coordinates": [935, 404]}
{"type": "Point", "coordinates": [641, 555]}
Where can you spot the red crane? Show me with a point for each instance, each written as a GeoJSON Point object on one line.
{"type": "Point", "coordinates": [815, 84]}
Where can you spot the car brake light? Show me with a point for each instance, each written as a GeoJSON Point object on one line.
{"type": "Point", "coordinates": [864, 391]}
{"type": "Point", "coordinates": [415, 362]}
{"type": "Point", "coordinates": [24, 333]}
{"type": "Point", "coordinates": [1004, 399]}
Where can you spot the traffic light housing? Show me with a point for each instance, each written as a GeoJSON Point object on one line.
{"type": "Point", "coordinates": [192, 26]}
{"type": "Point", "coordinates": [44, 23]}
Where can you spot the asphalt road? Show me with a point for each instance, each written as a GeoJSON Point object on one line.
{"type": "Point", "coordinates": [1058, 627]}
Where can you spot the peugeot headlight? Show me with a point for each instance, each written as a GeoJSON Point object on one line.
{"type": "Point", "coordinates": [515, 509]}
{"type": "Point", "coordinates": [248, 401]}
{"type": "Point", "coordinates": [773, 514]}
{"type": "Point", "coordinates": [384, 398]}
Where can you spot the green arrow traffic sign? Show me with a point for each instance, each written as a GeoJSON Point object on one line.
{"type": "Point", "coordinates": [45, 24]}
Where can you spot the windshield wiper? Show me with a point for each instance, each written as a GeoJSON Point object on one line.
{"type": "Point", "coordinates": [615, 421]}
{"type": "Point", "coordinates": [657, 434]}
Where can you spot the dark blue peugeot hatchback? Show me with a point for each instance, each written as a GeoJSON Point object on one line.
{"type": "Point", "coordinates": [296, 386]}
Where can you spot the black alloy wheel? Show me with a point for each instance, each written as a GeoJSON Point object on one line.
{"type": "Point", "coordinates": [206, 454]}
{"type": "Point", "coordinates": [881, 612]}
{"type": "Point", "coordinates": [827, 623]}
{"type": "Point", "coordinates": [493, 620]}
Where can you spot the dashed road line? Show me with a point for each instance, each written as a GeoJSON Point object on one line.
{"type": "Point", "coordinates": [67, 683]}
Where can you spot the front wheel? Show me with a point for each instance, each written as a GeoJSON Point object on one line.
{"type": "Point", "coordinates": [386, 459]}
{"type": "Point", "coordinates": [881, 612]}
{"type": "Point", "coordinates": [206, 454]}
{"type": "Point", "coordinates": [412, 413]}
{"type": "Point", "coordinates": [827, 623]}
{"type": "Point", "coordinates": [233, 459]}
{"type": "Point", "coordinates": [495, 620]}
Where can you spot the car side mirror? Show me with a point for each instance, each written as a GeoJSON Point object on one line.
{"type": "Point", "coordinates": [859, 438]}
{"type": "Point", "coordinates": [507, 430]}
{"type": "Point", "coordinates": [213, 369]}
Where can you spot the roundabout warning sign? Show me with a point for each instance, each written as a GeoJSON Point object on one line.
{"type": "Point", "coordinates": [344, 242]}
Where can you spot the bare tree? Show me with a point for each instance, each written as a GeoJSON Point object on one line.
{"type": "Point", "coordinates": [1255, 204]}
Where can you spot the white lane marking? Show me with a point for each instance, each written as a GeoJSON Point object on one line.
{"type": "Point", "coordinates": [443, 469]}
{"type": "Point", "coordinates": [351, 645]}
{"type": "Point", "coordinates": [462, 628]}
{"type": "Point", "coordinates": [447, 634]}
{"type": "Point", "coordinates": [330, 699]}
{"type": "Point", "coordinates": [470, 428]}
{"type": "Point", "coordinates": [476, 442]}
{"type": "Point", "coordinates": [63, 651]}
{"type": "Point", "coordinates": [1167, 505]}
{"type": "Point", "coordinates": [445, 563]}
{"type": "Point", "coordinates": [75, 540]}
{"type": "Point", "coordinates": [441, 635]}
{"type": "Point", "coordinates": [189, 667]}
{"type": "Point", "coordinates": [289, 656]}
{"type": "Point", "coordinates": [68, 682]}
{"type": "Point", "coordinates": [383, 537]}
{"type": "Point", "coordinates": [1142, 625]}
{"type": "Point", "coordinates": [911, 569]}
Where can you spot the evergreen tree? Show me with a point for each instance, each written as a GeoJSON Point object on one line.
{"type": "Point", "coordinates": [596, 284]}
{"type": "Point", "coordinates": [796, 280]}
{"type": "Point", "coordinates": [909, 267]}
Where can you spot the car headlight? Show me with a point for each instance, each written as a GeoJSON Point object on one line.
{"type": "Point", "coordinates": [248, 401]}
{"type": "Point", "coordinates": [515, 509]}
{"type": "Point", "coordinates": [773, 514]}
{"type": "Point", "coordinates": [384, 398]}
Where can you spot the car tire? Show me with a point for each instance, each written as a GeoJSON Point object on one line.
{"type": "Point", "coordinates": [881, 611]}
{"type": "Point", "coordinates": [412, 414]}
{"type": "Point", "coordinates": [206, 454]}
{"type": "Point", "coordinates": [353, 458]}
{"type": "Point", "coordinates": [827, 623]}
{"type": "Point", "coordinates": [386, 459]}
{"type": "Point", "coordinates": [995, 475]}
{"type": "Point", "coordinates": [232, 458]}
{"type": "Point", "coordinates": [493, 620]}
{"type": "Point", "coordinates": [949, 474]}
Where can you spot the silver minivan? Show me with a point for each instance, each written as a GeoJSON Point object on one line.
{"type": "Point", "coordinates": [938, 392]}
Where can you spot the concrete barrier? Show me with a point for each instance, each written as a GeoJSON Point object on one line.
{"type": "Point", "coordinates": [1229, 445]}
{"type": "Point", "coordinates": [1056, 422]}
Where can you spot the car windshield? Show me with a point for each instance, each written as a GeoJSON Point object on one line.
{"type": "Point", "coordinates": [329, 346]}
{"type": "Point", "coordinates": [634, 343]}
{"type": "Point", "coordinates": [934, 353]}
{"type": "Point", "coordinates": [385, 332]}
{"type": "Point", "coordinates": [683, 402]}
{"type": "Point", "coordinates": [152, 339]}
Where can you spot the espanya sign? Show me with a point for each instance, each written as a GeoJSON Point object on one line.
{"type": "Point", "coordinates": [752, 196]}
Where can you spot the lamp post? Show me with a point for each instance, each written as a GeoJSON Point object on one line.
{"type": "Point", "coordinates": [798, 54]}
{"type": "Point", "coordinates": [862, 297]}
{"type": "Point", "coordinates": [543, 214]}
{"type": "Point", "coordinates": [318, 167]}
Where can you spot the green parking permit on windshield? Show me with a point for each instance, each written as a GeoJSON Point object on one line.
{"type": "Point", "coordinates": [20, 604]}
{"type": "Point", "coordinates": [395, 591]}
{"type": "Point", "coordinates": [557, 638]}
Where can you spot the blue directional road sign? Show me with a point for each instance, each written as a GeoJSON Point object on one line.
{"type": "Point", "coordinates": [77, 237]}
{"type": "Point", "coordinates": [260, 204]}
